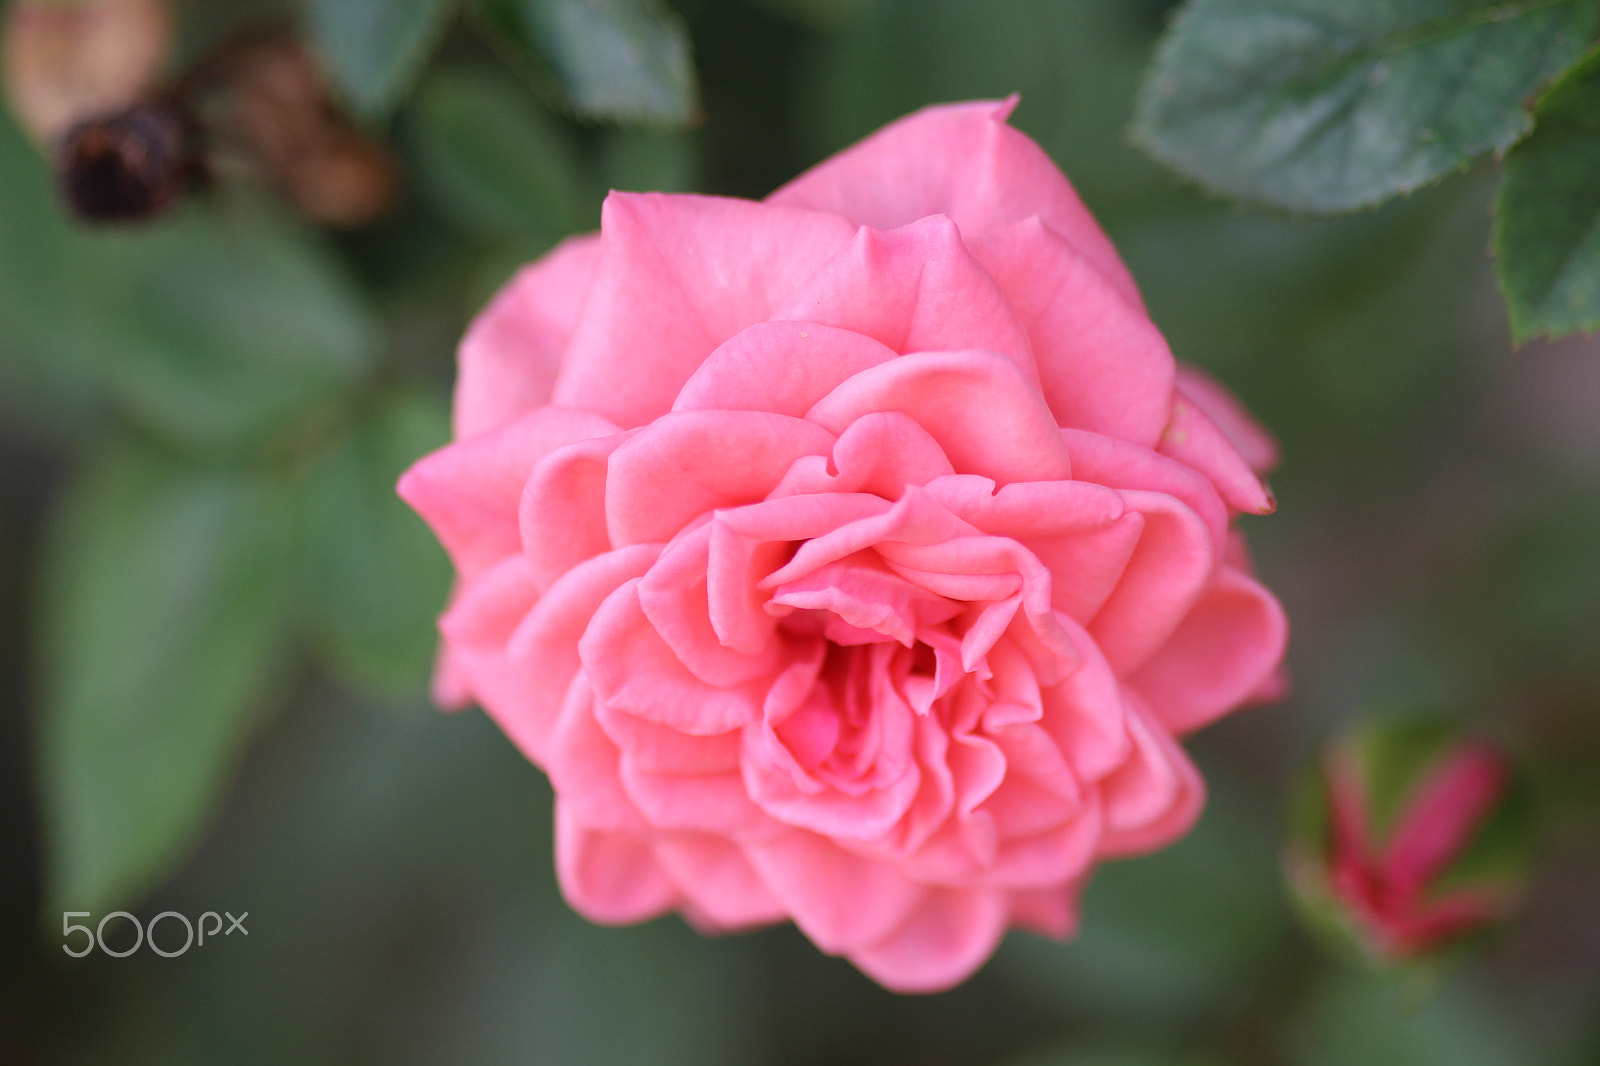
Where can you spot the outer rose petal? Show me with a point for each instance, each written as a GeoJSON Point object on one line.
{"type": "Point", "coordinates": [719, 881]}
{"type": "Point", "coordinates": [842, 901]}
{"type": "Point", "coordinates": [1103, 365]}
{"type": "Point", "coordinates": [948, 936]}
{"type": "Point", "coordinates": [914, 289]}
{"type": "Point", "coordinates": [1222, 652]}
{"type": "Point", "coordinates": [960, 160]}
{"type": "Point", "coordinates": [1255, 444]}
{"type": "Point", "coordinates": [507, 362]}
{"type": "Point", "coordinates": [469, 491]}
{"type": "Point", "coordinates": [678, 275]}
{"type": "Point", "coordinates": [610, 878]}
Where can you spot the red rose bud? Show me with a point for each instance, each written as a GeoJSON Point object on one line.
{"type": "Point", "coordinates": [1409, 839]}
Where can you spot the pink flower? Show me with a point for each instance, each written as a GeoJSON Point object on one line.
{"type": "Point", "coordinates": [854, 557]}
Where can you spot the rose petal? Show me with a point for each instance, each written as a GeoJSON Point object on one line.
{"type": "Point", "coordinates": [782, 367]}
{"type": "Point", "coordinates": [1103, 365]}
{"type": "Point", "coordinates": [1165, 577]}
{"type": "Point", "coordinates": [1120, 465]}
{"type": "Point", "coordinates": [561, 516]}
{"type": "Point", "coordinates": [634, 670]}
{"type": "Point", "coordinates": [687, 463]}
{"type": "Point", "coordinates": [985, 415]}
{"type": "Point", "coordinates": [1225, 649]}
{"type": "Point", "coordinates": [1155, 797]}
{"type": "Point", "coordinates": [469, 492]}
{"type": "Point", "coordinates": [1248, 435]}
{"type": "Point", "coordinates": [677, 276]}
{"type": "Point", "coordinates": [880, 453]}
{"type": "Point", "coordinates": [1195, 441]}
{"type": "Point", "coordinates": [674, 597]}
{"type": "Point", "coordinates": [949, 934]}
{"type": "Point", "coordinates": [542, 653]}
{"type": "Point", "coordinates": [960, 160]}
{"type": "Point", "coordinates": [840, 900]}
{"type": "Point", "coordinates": [914, 289]}
{"type": "Point", "coordinates": [718, 880]}
{"type": "Point", "coordinates": [610, 878]}
{"type": "Point", "coordinates": [508, 360]}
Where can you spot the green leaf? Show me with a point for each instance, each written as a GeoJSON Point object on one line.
{"type": "Point", "coordinates": [492, 159]}
{"type": "Point", "coordinates": [626, 60]}
{"type": "Point", "coordinates": [211, 328]}
{"type": "Point", "coordinates": [377, 575]}
{"type": "Point", "coordinates": [374, 48]}
{"type": "Point", "coordinates": [1547, 221]}
{"type": "Point", "coordinates": [165, 617]}
{"type": "Point", "coordinates": [1326, 105]}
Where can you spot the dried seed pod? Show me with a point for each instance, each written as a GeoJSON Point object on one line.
{"type": "Point", "coordinates": [126, 166]}
{"type": "Point", "coordinates": [67, 62]}
{"type": "Point", "coordinates": [276, 114]}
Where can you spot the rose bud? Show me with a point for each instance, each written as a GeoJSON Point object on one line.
{"type": "Point", "coordinates": [858, 557]}
{"type": "Point", "coordinates": [70, 61]}
{"type": "Point", "coordinates": [1408, 840]}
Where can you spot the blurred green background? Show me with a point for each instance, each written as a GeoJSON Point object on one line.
{"type": "Point", "coordinates": [216, 619]}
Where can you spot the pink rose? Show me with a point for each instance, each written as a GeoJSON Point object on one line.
{"type": "Point", "coordinates": [854, 557]}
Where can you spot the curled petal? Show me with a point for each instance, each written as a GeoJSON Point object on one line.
{"type": "Point", "coordinates": [543, 650]}
{"type": "Point", "coordinates": [634, 670]}
{"type": "Point", "coordinates": [1165, 577]}
{"type": "Point", "coordinates": [1194, 440]}
{"type": "Point", "coordinates": [881, 453]}
{"type": "Point", "coordinates": [561, 517]}
{"type": "Point", "coordinates": [984, 414]}
{"type": "Point", "coordinates": [1248, 435]}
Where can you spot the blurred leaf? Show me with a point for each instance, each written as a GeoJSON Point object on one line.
{"type": "Point", "coordinates": [1326, 105]}
{"type": "Point", "coordinates": [377, 575]}
{"type": "Point", "coordinates": [1378, 1022]}
{"type": "Point", "coordinates": [493, 160]}
{"type": "Point", "coordinates": [648, 160]}
{"type": "Point", "coordinates": [626, 60]}
{"type": "Point", "coordinates": [214, 329]}
{"type": "Point", "coordinates": [1547, 222]}
{"type": "Point", "coordinates": [166, 610]}
{"type": "Point", "coordinates": [1171, 935]}
{"type": "Point", "coordinates": [374, 48]}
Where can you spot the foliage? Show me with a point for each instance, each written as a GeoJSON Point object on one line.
{"type": "Point", "coordinates": [1326, 105]}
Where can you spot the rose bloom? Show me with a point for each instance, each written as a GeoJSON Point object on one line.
{"type": "Point", "coordinates": [854, 557]}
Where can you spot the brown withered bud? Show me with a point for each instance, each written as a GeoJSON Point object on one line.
{"type": "Point", "coordinates": [277, 115]}
{"type": "Point", "coordinates": [65, 62]}
{"type": "Point", "coordinates": [127, 166]}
